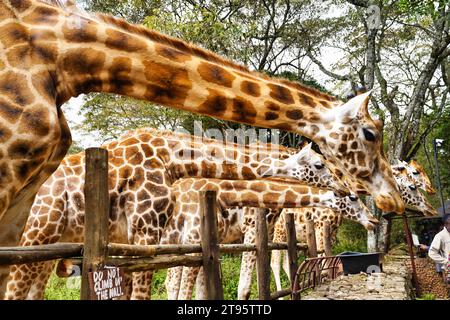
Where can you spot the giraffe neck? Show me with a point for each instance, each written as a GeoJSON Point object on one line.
{"type": "Point", "coordinates": [258, 193]}
{"type": "Point", "coordinates": [134, 61]}
{"type": "Point", "coordinates": [71, 52]}
{"type": "Point", "coordinates": [183, 155]}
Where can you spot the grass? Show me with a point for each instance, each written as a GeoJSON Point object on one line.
{"type": "Point", "coordinates": [427, 296]}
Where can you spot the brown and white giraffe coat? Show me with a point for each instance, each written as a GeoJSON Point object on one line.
{"type": "Point", "coordinates": [51, 51]}
{"type": "Point", "coordinates": [184, 226]}
{"type": "Point", "coordinates": [143, 165]}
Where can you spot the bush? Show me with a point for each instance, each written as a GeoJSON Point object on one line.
{"type": "Point", "coordinates": [351, 237]}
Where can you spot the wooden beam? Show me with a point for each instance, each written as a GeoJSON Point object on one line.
{"type": "Point", "coordinates": [118, 249]}
{"type": "Point", "coordinates": [96, 194]}
{"type": "Point", "coordinates": [210, 247]}
{"type": "Point", "coordinates": [279, 294]}
{"type": "Point", "coordinates": [65, 267]}
{"type": "Point", "coordinates": [31, 254]}
{"type": "Point", "coordinates": [262, 255]}
{"type": "Point", "coordinates": [291, 237]}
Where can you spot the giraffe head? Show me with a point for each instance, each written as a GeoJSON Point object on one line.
{"type": "Point", "coordinates": [352, 208]}
{"type": "Point", "coordinates": [311, 168]}
{"type": "Point", "coordinates": [351, 140]}
{"type": "Point", "coordinates": [418, 174]}
{"type": "Point", "coordinates": [410, 192]}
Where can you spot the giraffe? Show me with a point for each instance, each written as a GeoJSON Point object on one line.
{"type": "Point", "coordinates": [411, 195]}
{"type": "Point", "coordinates": [47, 46]}
{"type": "Point", "coordinates": [407, 179]}
{"type": "Point", "coordinates": [143, 165]}
{"type": "Point", "coordinates": [184, 225]}
{"type": "Point", "coordinates": [319, 215]}
{"type": "Point", "coordinates": [417, 173]}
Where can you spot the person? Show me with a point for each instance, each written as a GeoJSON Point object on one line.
{"type": "Point", "coordinates": [439, 250]}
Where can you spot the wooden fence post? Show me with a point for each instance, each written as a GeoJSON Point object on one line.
{"type": "Point", "coordinates": [327, 238]}
{"type": "Point", "coordinates": [327, 244]}
{"type": "Point", "coordinates": [210, 247]}
{"type": "Point", "coordinates": [262, 255]}
{"type": "Point", "coordinates": [311, 239]}
{"type": "Point", "coordinates": [96, 196]}
{"type": "Point", "coordinates": [291, 237]}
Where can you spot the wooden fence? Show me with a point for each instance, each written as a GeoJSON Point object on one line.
{"type": "Point", "coordinates": [97, 252]}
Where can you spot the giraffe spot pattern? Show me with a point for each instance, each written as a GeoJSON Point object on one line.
{"type": "Point", "coordinates": [87, 32]}
{"type": "Point", "coordinates": [250, 88]}
{"type": "Point", "coordinates": [215, 103]}
{"type": "Point", "coordinates": [171, 53]}
{"type": "Point", "coordinates": [122, 41]}
{"type": "Point", "coordinates": [281, 93]}
{"type": "Point", "coordinates": [167, 85]}
{"type": "Point", "coordinates": [43, 16]}
{"type": "Point", "coordinates": [243, 110]}
{"type": "Point", "coordinates": [215, 74]}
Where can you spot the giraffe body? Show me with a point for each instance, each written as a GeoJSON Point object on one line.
{"type": "Point", "coordinates": [47, 46]}
{"type": "Point", "coordinates": [319, 216]}
{"type": "Point", "coordinates": [143, 164]}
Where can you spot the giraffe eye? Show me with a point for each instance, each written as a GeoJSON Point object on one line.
{"type": "Point", "coordinates": [415, 172]}
{"type": "Point", "coordinates": [319, 166]}
{"type": "Point", "coordinates": [412, 187]}
{"type": "Point", "coordinates": [353, 197]}
{"type": "Point", "coordinates": [369, 135]}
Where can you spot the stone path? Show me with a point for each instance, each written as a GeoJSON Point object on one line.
{"type": "Point", "coordinates": [393, 284]}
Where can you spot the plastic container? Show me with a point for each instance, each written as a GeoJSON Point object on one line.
{"type": "Point", "coordinates": [356, 262]}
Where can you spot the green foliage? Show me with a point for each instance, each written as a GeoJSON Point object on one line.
{"type": "Point", "coordinates": [427, 296]}
{"type": "Point", "coordinates": [58, 289]}
{"type": "Point", "coordinates": [158, 289]}
{"type": "Point", "coordinates": [75, 148]}
{"type": "Point", "coordinates": [351, 237]}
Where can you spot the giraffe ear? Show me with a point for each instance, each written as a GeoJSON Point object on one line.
{"type": "Point", "coordinates": [352, 107]}
{"type": "Point", "coordinates": [305, 151]}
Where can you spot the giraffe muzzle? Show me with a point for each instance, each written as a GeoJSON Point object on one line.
{"type": "Point", "coordinates": [390, 203]}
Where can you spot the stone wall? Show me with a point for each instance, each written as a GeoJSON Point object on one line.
{"type": "Point", "coordinates": [394, 283]}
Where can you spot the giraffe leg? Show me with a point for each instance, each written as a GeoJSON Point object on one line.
{"type": "Point", "coordinates": [248, 261]}
{"type": "Point", "coordinates": [245, 277]}
{"type": "Point", "coordinates": [141, 285]}
{"type": "Point", "coordinates": [172, 282]}
{"type": "Point", "coordinates": [37, 289]}
{"type": "Point", "coordinates": [22, 277]}
{"type": "Point", "coordinates": [200, 287]}
{"type": "Point", "coordinates": [188, 277]}
{"type": "Point", "coordinates": [286, 265]}
{"type": "Point", "coordinates": [275, 263]}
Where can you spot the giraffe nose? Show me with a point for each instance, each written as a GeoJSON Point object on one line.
{"type": "Point", "coordinates": [374, 220]}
